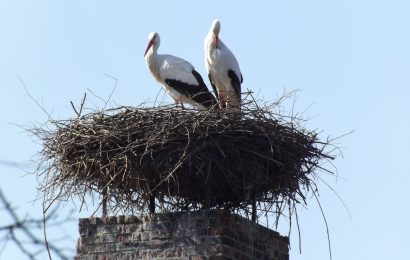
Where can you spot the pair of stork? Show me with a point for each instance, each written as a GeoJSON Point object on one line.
{"type": "Point", "coordinates": [185, 85]}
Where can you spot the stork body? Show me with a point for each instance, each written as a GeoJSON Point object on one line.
{"type": "Point", "coordinates": [223, 69]}
{"type": "Point", "coordinates": [177, 76]}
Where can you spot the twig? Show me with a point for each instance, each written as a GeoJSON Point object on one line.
{"type": "Point", "coordinates": [34, 100]}
{"type": "Point", "coordinates": [191, 159]}
{"type": "Point", "coordinates": [45, 233]}
{"type": "Point", "coordinates": [113, 90]}
{"type": "Point", "coordinates": [327, 226]}
{"type": "Point", "coordinates": [25, 227]}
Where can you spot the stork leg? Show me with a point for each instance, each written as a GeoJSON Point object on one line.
{"type": "Point", "coordinates": [208, 197]}
{"type": "Point", "coordinates": [177, 102]}
{"type": "Point", "coordinates": [253, 206]}
{"type": "Point", "coordinates": [104, 202]}
{"type": "Point", "coordinates": [224, 103]}
{"type": "Point", "coordinates": [152, 202]}
{"type": "Point", "coordinates": [207, 202]}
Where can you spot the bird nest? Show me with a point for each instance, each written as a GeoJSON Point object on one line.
{"type": "Point", "coordinates": [186, 159]}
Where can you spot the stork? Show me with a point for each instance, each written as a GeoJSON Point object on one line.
{"type": "Point", "coordinates": [177, 76]}
{"type": "Point", "coordinates": [223, 69]}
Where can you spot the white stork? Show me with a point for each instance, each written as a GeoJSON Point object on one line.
{"type": "Point", "coordinates": [223, 69]}
{"type": "Point", "coordinates": [178, 77]}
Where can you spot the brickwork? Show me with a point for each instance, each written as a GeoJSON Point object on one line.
{"type": "Point", "coordinates": [207, 234]}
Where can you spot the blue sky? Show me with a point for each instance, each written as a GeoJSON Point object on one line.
{"type": "Point", "coordinates": [350, 59]}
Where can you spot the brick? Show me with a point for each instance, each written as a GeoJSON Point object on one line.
{"type": "Point", "coordinates": [109, 220]}
{"type": "Point", "coordinates": [170, 253]}
{"type": "Point", "coordinates": [157, 253]}
{"type": "Point", "coordinates": [206, 234]}
{"type": "Point", "coordinates": [109, 229]}
{"type": "Point", "coordinates": [219, 230]}
{"type": "Point", "coordinates": [189, 251]}
{"type": "Point", "coordinates": [213, 222]}
{"type": "Point", "coordinates": [94, 221]}
{"type": "Point", "coordinates": [136, 236]}
{"type": "Point", "coordinates": [148, 226]}
{"type": "Point", "coordinates": [107, 238]}
{"type": "Point", "coordinates": [123, 238]}
{"type": "Point", "coordinates": [86, 231]}
{"type": "Point", "coordinates": [160, 234]}
{"type": "Point", "coordinates": [197, 257]}
{"type": "Point", "coordinates": [130, 219]}
{"type": "Point", "coordinates": [131, 228]}
{"type": "Point", "coordinates": [218, 257]}
{"type": "Point", "coordinates": [143, 236]}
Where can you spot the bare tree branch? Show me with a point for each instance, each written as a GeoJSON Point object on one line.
{"type": "Point", "coordinates": [21, 231]}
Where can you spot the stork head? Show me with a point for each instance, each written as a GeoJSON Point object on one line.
{"type": "Point", "coordinates": [216, 27]}
{"type": "Point", "coordinates": [153, 41]}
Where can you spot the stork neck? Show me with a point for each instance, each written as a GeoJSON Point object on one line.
{"type": "Point", "coordinates": [210, 41]}
{"type": "Point", "coordinates": [152, 55]}
{"type": "Point", "coordinates": [152, 59]}
{"type": "Point", "coordinates": [221, 44]}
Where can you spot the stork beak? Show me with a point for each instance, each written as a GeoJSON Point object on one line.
{"type": "Point", "coordinates": [216, 41]}
{"type": "Point", "coordinates": [148, 47]}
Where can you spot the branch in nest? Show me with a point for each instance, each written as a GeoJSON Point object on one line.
{"type": "Point", "coordinates": [191, 159]}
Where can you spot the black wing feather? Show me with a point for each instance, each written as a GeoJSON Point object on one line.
{"type": "Point", "coordinates": [198, 93]}
{"type": "Point", "coordinates": [236, 84]}
{"type": "Point", "coordinates": [213, 85]}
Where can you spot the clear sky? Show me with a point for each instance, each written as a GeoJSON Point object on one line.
{"type": "Point", "coordinates": [350, 59]}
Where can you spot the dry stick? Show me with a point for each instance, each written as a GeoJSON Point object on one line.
{"type": "Point", "coordinates": [337, 195]}
{"type": "Point", "coordinates": [113, 90]}
{"type": "Point", "coordinates": [152, 202]}
{"type": "Point", "coordinates": [181, 160]}
{"type": "Point", "coordinates": [156, 97]}
{"type": "Point", "coordinates": [327, 227]}
{"type": "Point", "coordinates": [109, 126]}
{"type": "Point", "coordinates": [75, 110]}
{"type": "Point", "coordinates": [54, 199]}
{"type": "Point", "coordinates": [5, 240]}
{"type": "Point", "coordinates": [81, 106]}
{"type": "Point", "coordinates": [82, 103]}
{"type": "Point", "coordinates": [104, 201]}
{"type": "Point", "coordinates": [45, 232]}
{"type": "Point", "coordinates": [35, 100]}
{"type": "Point", "coordinates": [208, 188]}
{"type": "Point", "coordinates": [21, 225]}
{"type": "Point", "coordinates": [298, 227]}
{"type": "Point", "coordinates": [253, 205]}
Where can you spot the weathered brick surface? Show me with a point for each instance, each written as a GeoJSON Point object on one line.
{"type": "Point", "coordinates": [203, 235]}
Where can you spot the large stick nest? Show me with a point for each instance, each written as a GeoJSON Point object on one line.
{"type": "Point", "coordinates": [189, 159]}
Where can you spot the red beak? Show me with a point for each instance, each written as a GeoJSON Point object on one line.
{"type": "Point", "coordinates": [148, 47]}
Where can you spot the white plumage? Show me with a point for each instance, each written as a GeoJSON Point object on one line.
{"type": "Point", "coordinates": [177, 76]}
{"type": "Point", "coordinates": [223, 69]}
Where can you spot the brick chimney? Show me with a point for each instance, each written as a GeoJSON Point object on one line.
{"type": "Point", "coordinates": [206, 234]}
